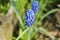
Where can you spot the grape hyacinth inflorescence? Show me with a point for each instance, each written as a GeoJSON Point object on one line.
{"type": "Point", "coordinates": [29, 17]}
{"type": "Point", "coordinates": [35, 6]}
{"type": "Point", "coordinates": [30, 14]}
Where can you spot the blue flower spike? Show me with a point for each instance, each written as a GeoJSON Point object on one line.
{"type": "Point", "coordinates": [29, 17]}
{"type": "Point", "coordinates": [35, 6]}
{"type": "Point", "coordinates": [30, 14]}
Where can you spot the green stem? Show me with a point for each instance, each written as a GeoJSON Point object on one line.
{"type": "Point", "coordinates": [22, 34]}
{"type": "Point", "coordinates": [17, 13]}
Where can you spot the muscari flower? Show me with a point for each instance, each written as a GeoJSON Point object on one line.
{"type": "Point", "coordinates": [35, 6]}
{"type": "Point", "coordinates": [29, 17]}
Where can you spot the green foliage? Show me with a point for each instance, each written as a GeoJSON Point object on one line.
{"type": "Point", "coordinates": [4, 5]}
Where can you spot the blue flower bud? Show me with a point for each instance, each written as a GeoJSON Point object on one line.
{"type": "Point", "coordinates": [29, 17]}
{"type": "Point", "coordinates": [35, 6]}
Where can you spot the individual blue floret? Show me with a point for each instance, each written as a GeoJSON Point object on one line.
{"type": "Point", "coordinates": [29, 17]}
{"type": "Point", "coordinates": [35, 6]}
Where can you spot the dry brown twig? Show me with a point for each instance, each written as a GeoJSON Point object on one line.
{"type": "Point", "coordinates": [7, 25]}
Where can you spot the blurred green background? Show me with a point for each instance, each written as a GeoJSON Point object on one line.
{"type": "Point", "coordinates": [44, 23]}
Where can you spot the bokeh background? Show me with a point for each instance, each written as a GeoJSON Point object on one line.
{"type": "Point", "coordinates": [46, 25]}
